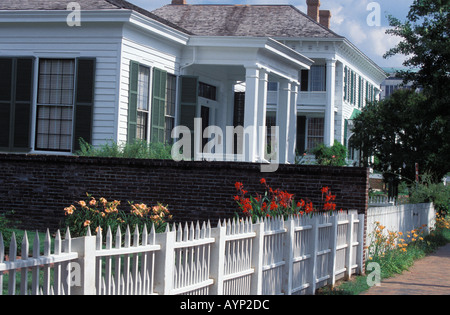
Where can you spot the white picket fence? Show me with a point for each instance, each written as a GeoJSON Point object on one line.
{"type": "Point", "coordinates": [270, 257]}
{"type": "Point", "coordinates": [402, 218]}
{"type": "Point", "coordinates": [384, 201]}
{"type": "Point", "coordinates": [43, 267]}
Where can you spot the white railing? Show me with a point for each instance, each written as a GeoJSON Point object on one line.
{"type": "Point", "coordinates": [382, 201]}
{"type": "Point", "coordinates": [313, 98]}
{"type": "Point", "coordinates": [271, 257]}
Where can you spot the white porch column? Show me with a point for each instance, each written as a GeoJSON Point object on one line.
{"type": "Point", "coordinates": [283, 111]}
{"type": "Point", "coordinates": [292, 130]}
{"type": "Point", "coordinates": [329, 109]}
{"type": "Point", "coordinates": [262, 109]}
{"type": "Point", "coordinates": [251, 113]}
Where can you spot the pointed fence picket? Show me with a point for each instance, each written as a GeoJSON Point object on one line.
{"type": "Point", "coordinates": [238, 257]}
{"type": "Point", "coordinates": [126, 268]}
{"type": "Point", "coordinates": [49, 272]}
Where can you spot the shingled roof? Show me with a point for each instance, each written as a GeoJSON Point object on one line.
{"type": "Point", "coordinates": [245, 20]}
{"type": "Point", "coordinates": [85, 5]}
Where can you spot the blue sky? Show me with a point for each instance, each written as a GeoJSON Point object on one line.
{"type": "Point", "coordinates": [349, 19]}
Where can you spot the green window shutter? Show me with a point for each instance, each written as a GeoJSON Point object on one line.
{"type": "Point", "coordinates": [345, 133]}
{"type": "Point", "coordinates": [6, 85]}
{"type": "Point", "coordinates": [345, 137]}
{"type": "Point", "coordinates": [23, 99]}
{"type": "Point", "coordinates": [301, 134]}
{"type": "Point", "coordinates": [16, 85]}
{"type": "Point", "coordinates": [345, 83]}
{"type": "Point", "coordinates": [188, 104]}
{"type": "Point", "coordinates": [132, 101]}
{"type": "Point", "coordinates": [84, 101]}
{"type": "Point", "coordinates": [157, 133]}
{"type": "Point", "coordinates": [359, 92]}
{"type": "Point", "coordinates": [351, 87]}
{"type": "Point", "coordinates": [367, 92]}
{"type": "Point", "coordinates": [188, 100]}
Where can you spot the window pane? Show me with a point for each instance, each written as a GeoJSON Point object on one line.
{"type": "Point", "coordinates": [170, 123]}
{"type": "Point", "coordinates": [56, 82]}
{"type": "Point", "coordinates": [207, 91]}
{"type": "Point", "coordinates": [317, 78]}
{"type": "Point", "coordinates": [143, 87]}
{"type": "Point", "coordinates": [141, 127]}
{"type": "Point", "coordinates": [143, 99]}
{"type": "Point", "coordinates": [315, 132]}
{"type": "Point", "coordinates": [272, 86]}
{"type": "Point", "coordinates": [54, 128]}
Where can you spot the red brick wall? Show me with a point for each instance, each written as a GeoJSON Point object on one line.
{"type": "Point", "coordinates": [38, 187]}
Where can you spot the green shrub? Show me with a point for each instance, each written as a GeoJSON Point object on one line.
{"type": "Point", "coordinates": [5, 229]}
{"type": "Point", "coordinates": [138, 149]}
{"type": "Point", "coordinates": [427, 191]}
{"type": "Point", "coordinates": [332, 156]}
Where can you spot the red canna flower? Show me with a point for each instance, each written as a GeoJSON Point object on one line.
{"type": "Point", "coordinates": [273, 205]}
{"type": "Point", "coordinates": [309, 207]}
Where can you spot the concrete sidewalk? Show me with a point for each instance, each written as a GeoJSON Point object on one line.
{"type": "Point", "coordinates": [428, 276]}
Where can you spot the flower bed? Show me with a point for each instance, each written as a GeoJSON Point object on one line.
{"type": "Point", "coordinates": [101, 214]}
{"type": "Point", "coordinates": [279, 203]}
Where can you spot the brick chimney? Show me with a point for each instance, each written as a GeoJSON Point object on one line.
{"type": "Point", "coordinates": [313, 9]}
{"type": "Point", "coordinates": [325, 16]}
{"type": "Point", "coordinates": [178, 1]}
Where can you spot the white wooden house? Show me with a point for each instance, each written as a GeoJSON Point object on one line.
{"type": "Point", "coordinates": [106, 70]}
{"type": "Point", "coordinates": [332, 92]}
{"type": "Point", "coordinates": [124, 73]}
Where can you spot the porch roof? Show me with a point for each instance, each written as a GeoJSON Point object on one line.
{"type": "Point", "coordinates": [261, 52]}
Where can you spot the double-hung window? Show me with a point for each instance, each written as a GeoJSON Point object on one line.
{"type": "Point", "coordinates": [65, 102]}
{"type": "Point", "coordinates": [143, 102]}
{"type": "Point", "coordinates": [315, 132]}
{"type": "Point", "coordinates": [313, 80]}
{"type": "Point", "coordinates": [55, 104]}
{"type": "Point", "coordinates": [151, 106]}
{"type": "Point", "coordinates": [63, 108]}
{"type": "Point", "coordinates": [318, 78]}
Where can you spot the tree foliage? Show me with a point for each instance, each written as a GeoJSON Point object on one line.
{"type": "Point", "coordinates": [411, 127]}
{"type": "Point", "coordinates": [393, 130]}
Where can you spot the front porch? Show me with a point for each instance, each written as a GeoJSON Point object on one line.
{"type": "Point", "coordinates": [223, 100]}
